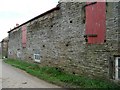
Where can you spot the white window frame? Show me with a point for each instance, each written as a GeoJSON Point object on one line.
{"type": "Point", "coordinates": [18, 54]}
{"type": "Point", "coordinates": [116, 68]}
{"type": "Point", "coordinates": [37, 60]}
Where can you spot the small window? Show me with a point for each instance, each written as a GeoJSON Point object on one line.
{"type": "Point", "coordinates": [117, 68]}
{"type": "Point", "coordinates": [37, 57]}
{"type": "Point", "coordinates": [18, 54]}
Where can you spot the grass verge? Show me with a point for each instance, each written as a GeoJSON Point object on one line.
{"type": "Point", "coordinates": [58, 77]}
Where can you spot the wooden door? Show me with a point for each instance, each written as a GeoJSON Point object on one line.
{"type": "Point", "coordinates": [95, 22]}
{"type": "Point", "coordinates": [24, 37]}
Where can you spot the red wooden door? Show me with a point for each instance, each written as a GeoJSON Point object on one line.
{"type": "Point", "coordinates": [24, 37]}
{"type": "Point", "coordinates": [95, 22]}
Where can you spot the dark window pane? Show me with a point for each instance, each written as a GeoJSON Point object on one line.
{"type": "Point", "coordinates": [119, 62]}
{"type": "Point", "coordinates": [37, 57]}
{"type": "Point", "coordinates": [119, 73]}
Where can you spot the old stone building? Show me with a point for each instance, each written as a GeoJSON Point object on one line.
{"type": "Point", "coordinates": [81, 38]}
{"type": "Point", "coordinates": [4, 47]}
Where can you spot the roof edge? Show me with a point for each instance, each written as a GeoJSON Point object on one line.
{"type": "Point", "coordinates": [55, 8]}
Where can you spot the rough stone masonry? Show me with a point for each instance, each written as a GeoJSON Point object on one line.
{"type": "Point", "coordinates": [57, 38]}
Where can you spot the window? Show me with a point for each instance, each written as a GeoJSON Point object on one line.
{"type": "Point", "coordinates": [18, 54]}
{"type": "Point", "coordinates": [117, 68]}
{"type": "Point", "coordinates": [37, 55]}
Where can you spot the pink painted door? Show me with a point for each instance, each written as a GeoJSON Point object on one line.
{"type": "Point", "coordinates": [95, 22]}
{"type": "Point", "coordinates": [24, 37]}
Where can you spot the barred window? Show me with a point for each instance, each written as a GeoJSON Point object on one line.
{"type": "Point", "coordinates": [37, 55]}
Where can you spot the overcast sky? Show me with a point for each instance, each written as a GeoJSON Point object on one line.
{"type": "Point", "coordinates": [20, 11]}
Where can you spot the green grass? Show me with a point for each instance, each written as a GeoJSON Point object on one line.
{"type": "Point", "coordinates": [59, 77]}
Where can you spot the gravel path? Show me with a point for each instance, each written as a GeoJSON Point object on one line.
{"type": "Point", "coordinates": [16, 78]}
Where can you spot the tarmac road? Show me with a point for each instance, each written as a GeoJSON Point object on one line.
{"type": "Point", "coordinates": [16, 78]}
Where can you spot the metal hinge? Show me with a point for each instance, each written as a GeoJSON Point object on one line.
{"type": "Point", "coordinates": [90, 35]}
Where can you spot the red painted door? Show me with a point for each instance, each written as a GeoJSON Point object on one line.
{"type": "Point", "coordinates": [95, 22]}
{"type": "Point", "coordinates": [24, 37]}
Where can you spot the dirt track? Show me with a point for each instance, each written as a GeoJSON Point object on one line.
{"type": "Point", "coordinates": [15, 78]}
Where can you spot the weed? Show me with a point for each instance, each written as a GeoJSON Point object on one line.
{"type": "Point", "coordinates": [58, 76]}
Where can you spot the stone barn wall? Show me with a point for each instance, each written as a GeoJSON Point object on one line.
{"type": "Point", "coordinates": [58, 37]}
{"type": "Point", "coordinates": [4, 47]}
